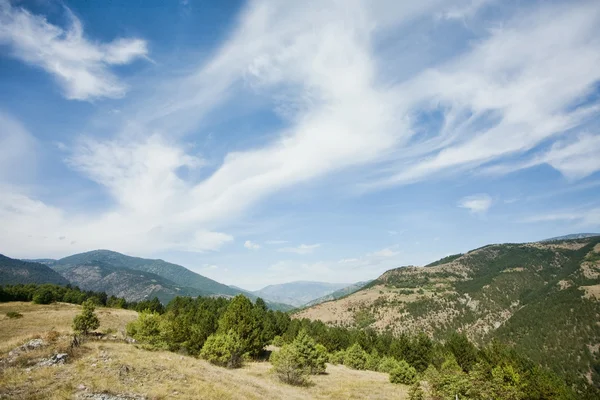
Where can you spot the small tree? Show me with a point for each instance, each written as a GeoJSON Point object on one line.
{"type": "Point", "coordinates": [403, 373]}
{"type": "Point", "coordinates": [224, 350]}
{"type": "Point", "coordinates": [147, 329]}
{"type": "Point", "coordinates": [388, 364]}
{"type": "Point", "coordinates": [86, 321]}
{"type": "Point", "coordinates": [288, 367]}
{"type": "Point", "coordinates": [356, 357]}
{"type": "Point", "coordinates": [312, 356]}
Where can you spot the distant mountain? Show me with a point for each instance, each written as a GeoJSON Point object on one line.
{"type": "Point", "coordinates": [174, 279]}
{"type": "Point", "coordinates": [133, 285]}
{"type": "Point", "coordinates": [298, 293]}
{"type": "Point", "coordinates": [571, 236]}
{"type": "Point", "coordinates": [14, 271]}
{"type": "Point", "coordinates": [542, 297]}
{"type": "Point", "coordinates": [337, 294]}
{"type": "Point", "coordinates": [273, 305]}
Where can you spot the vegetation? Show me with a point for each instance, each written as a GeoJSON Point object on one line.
{"type": "Point", "coordinates": [86, 321]}
{"type": "Point", "coordinates": [403, 373]}
{"type": "Point", "coordinates": [14, 315]}
{"type": "Point", "coordinates": [225, 350]}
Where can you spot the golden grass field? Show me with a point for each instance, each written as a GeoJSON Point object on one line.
{"type": "Point", "coordinates": [118, 368]}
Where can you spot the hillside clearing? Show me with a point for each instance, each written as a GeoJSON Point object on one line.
{"type": "Point", "coordinates": [118, 368]}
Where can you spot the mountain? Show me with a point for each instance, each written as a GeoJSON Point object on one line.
{"type": "Point", "coordinates": [16, 271]}
{"type": "Point", "coordinates": [345, 291]}
{"type": "Point", "coordinates": [541, 297]}
{"type": "Point", "coordinates": [114, 271]}
{"type": "Point", "coordinates": [571, 236]}
{"type": "Point", "coordinates": [298, 293]}
{"type": "Point", "coordinates": [133, 285]}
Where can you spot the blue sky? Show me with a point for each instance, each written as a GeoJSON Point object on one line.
{"type": "Point", "coordinates": [262, 142]}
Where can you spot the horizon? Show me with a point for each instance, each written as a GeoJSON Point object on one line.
{"type": "Point", "coordinates": [259, 143]}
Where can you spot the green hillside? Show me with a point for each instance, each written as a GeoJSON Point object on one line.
{"type": "Point", "coordinates": [16, 271]}
{"type": "Point", "coordinates": [543, 298]}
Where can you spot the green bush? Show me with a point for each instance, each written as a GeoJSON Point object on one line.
{"type": "Point", "coordinates": [43, 295]}
{"type": "Point", "coordinates": [356, 358]}
{"type": "Point", "coordinates": [403, 373]}
{"type": "Point", "coordinates": [415, 392]}
{"type": "Point", "coordinates": [288, 367]}
{"type": "Point", "coordinates": [14, 315]}
{"type": "Point", "coordinates": [224, 350]}
{"type": "Point", "coordinates": [373, 360]}
{"type": "Point", "coordinates": [387, 364]}
{"type": "Point", "coordinates": [337, 358]}
{"type": "Point", "coordinates": [147, 329]}
{"type": "Point", "coordinates": [312, 357]}
{"type": "Point", "coordinates": [86, 321]}
{"type": "Point", "coordinates": [278, 341]}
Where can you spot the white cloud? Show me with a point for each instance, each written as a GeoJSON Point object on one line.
{"type": "Point", "coordinates": [79, 65]}
{"type": "Point", "coordinates": [251, 245]}
{"type": "Point", "coordinates": [387, 252]}
{"type": "Point", "coordinates": [588, 217]}
{"type": "Point", "coordinates": [18, 151]}
{"type": "Point", "coordinates": [302, 249]}
{"type": "Point", "coordinates": [477, 204]}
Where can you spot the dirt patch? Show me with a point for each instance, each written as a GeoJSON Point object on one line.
{"type": "Point", "coordinates": [592, 292]}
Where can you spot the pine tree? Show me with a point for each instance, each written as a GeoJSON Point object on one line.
{"type": "Point", "coordinates": [241, 317]}
{"type": "Point", "coordinates": [86, 321]}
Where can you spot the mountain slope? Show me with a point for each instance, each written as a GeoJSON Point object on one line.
{"type": "Point", "coordinates": [298, 293]}
{"type": "Point", "coordinates": [571, 236]}
{"type": "Point", "coordinates": [130, 284]}
{"type": "Point", "coordinates": [541, 297]}
{"type": "Point", "coordinates": [174, 279]}
{"type": "Point", "coordinates": [173, 272]}
{"type": "Point", "coordinates": [338, 293]}
{"type": "Point", "coordinates": [16, 271]}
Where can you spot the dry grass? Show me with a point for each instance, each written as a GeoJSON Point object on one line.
{"type": "Point", "coordinates": [120, 368]}
{"type": "Point", "coordinates": [39, 319]}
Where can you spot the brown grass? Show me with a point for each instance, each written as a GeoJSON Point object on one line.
{"type": "Point", "coordinates": [119, 368]}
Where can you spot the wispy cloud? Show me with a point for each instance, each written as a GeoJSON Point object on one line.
{"type": "Point", "coordinates": [588, 217]}
{"type": "Point", "coordinates": [276, 242]}
{"type": "Point", "coordinates": [250, 245]}
{"type": "Point", "coordinates": [302, 249]}
{"type": "Point", "coordinates": [81, 66]}
{"type": "Point", "coordinates": [477, 204]}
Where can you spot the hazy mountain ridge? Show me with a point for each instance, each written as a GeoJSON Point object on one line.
{"type": "Point", "coordinates": [571, 236]}
{"type": "Point", "coordinates": [513, 292]}
{"type": "Point", "coordinates": [338, 293]}
{"type": "Point", "coordinates": [14, 271]}
{"type": "Point", "coordinates": [298, 293]}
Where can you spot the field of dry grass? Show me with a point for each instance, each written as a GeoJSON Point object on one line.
{"type": "Point", "coordinates": [119, 368]}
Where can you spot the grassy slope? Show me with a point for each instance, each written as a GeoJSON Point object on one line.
{"type": "Point", "coordinates": [119, 368]}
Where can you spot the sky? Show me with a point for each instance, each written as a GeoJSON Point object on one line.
{"type": "Point", "coordinates": [264, 142]}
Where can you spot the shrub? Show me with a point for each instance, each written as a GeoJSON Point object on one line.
{"type": "Point", "coordinates": [387, 364]}
{"type": "Point", "coordinates": [278, 341]}
{"type": "Point", "coordinates": [224, 350]}
{"type": "Point", "coordinates": [288, 367]}
{"type": "Point", "coordinates": [373, 360]}
{"type": "Point", "coordinates": [147, 329]}
{"type": "Point", "coordinates": [312, 356]}
{"type": "Point", "coordinates": [415, 392]}
{"type": "Point", "coordinates": [14, 315]}
{"type": "Point", "coordinates": [403, 373]}
{"type": "Point", "coordinates": [86, 321]}
{"type": "Point", "coordinates": [356, 357]}
{"type": "Point", "coordinates": [43, 295]}
{"type": "Point", "coordinates": [338, 357]}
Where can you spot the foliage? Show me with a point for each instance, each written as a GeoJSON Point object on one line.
{"type": "Point", "coordinates": [223, 349]}
{"type": "Point", "coordinates": [43, 295]}
{"type": "Point", "coordinates": [338, 357]}
{"type": "Point", "coordinates": [288, 367]}
{"type": "Point", "coordinates": [415, 392]}
{"type": "Point", "coordinates": [278, 341]}
{"type": "Point", "coordinates": [147, 329]}
{"type": "Point", "coordinates": [14, 315]}
{"type": "Point", "coordinates": [356, 357]}
{"type": "Point", "coordinates": [403, 373]}
{"type": "Point", "coordinates": [311, 356]}
{"type": "Point", "coordinates": [14, 272]}
{"type": "Point", "coordinates": [388, 364]}
{"type": "Point", "coordinates": [242, 319]}
{"type": "Point", "coordinates": [463, 350]}
{"type": "Point", "coordinates": [86, 321]}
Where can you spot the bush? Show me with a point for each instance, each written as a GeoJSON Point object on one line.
{"type": "Point", "coordinates": [387, 364]}
{"type": "Point", "coordinates": [223, 350]}
{"type": "Point", "coordinates": [147, 329]}
{"type": "Point", "coordinates": [415, 392]}
{"type": "Point", "coordinates": [373, 360]}
{"type": "Point", "coordinates": [14, 315]}
{"type": "Point", "coordinates": [278, 341]}
{"type": "Point", "coordinates": [43, 295]}
{"type": "Point", "coordinates": [86, 321]}
{"type": "Point", "coordinates": [356, 357]}
{"type": "Point", "coordinates": [288, 367]}
{"type": "Point", "coordinates": [312, 356]}
{"type": "Point", "coordinates": [338, 357]}
{"type": "Point", "coordinates": [403, 373]}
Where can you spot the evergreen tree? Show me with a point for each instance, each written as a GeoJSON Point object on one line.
{"type": "Point", "coordinates": [241, 317]}
{"type": "Point", "coordinates": [86, 321]}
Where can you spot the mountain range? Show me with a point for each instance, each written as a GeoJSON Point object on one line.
{"type": "Point", "coordinates": [541, 297]}
{"type": "Point", "coordinates": [298, 293]}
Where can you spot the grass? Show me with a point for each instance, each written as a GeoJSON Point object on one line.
{"type": "Point", "coordinates": [120, 368]}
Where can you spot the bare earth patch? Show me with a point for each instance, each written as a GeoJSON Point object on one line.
{"type": "Point", "coordinates": [592, 292]}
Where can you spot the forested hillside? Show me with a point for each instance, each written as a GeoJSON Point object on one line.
{"type": "Point", "coordinates": [16, 271]}
{"type": "Point", "coordinates": [540, 297]}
